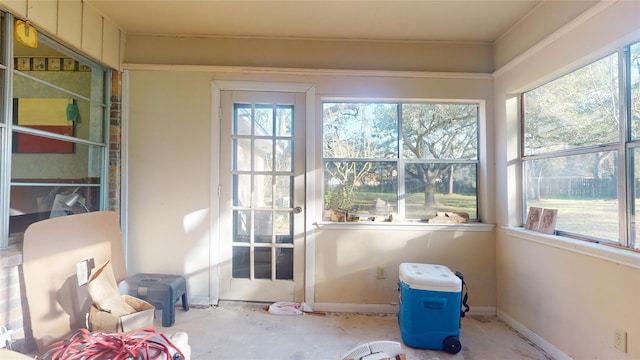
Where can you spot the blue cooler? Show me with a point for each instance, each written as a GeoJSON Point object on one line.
{"type": "Point", "coordinates": [430, 303]}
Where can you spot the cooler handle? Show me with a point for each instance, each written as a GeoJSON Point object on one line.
{"type": "Point", "coordinates": [465, 295]}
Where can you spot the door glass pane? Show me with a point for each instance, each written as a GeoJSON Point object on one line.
{"type": "Point", "coordinates": [284, 123]}
{"type": "Point", "coordinates": [284, 227]}
{"type": "Point", "coordinates": [241, 225]}
{"type": "Point", "coordinates": [284, 155]}
{"type": "Point", "coordinates": [242, 119]}
{"type": "Point", "coordinates": [264, 121]}
{"type": "Point", "coordinates": [242, 190]}
{"type": "Point", "coordinates": [263, 154]}
{"type": "Point", "coordinates": [262, 263]}
{"type": "Point", "coordinates": [242, 154]}
{"type": "Point", "coordinates": [240, 262]}
{"type": "Point", "coordinates": [263, 228]}
{"type": "Point", "coordinates": [284, 188]}
{"type": "Point", "coordinates": [263, 191]}
{"type": "Point", "coordinates": [284, 264]}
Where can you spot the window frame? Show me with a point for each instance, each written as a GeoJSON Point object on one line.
{"type": "Point", "coordinates": [8, 129]}
{"type": "Point", "coordinates": [400, 160]}
{"type": "Point", "coordinates": [623, 147]}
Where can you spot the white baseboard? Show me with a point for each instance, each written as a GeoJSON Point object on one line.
{"type": "Point", "coordinates": [482, 311]}
{"type": "Point", "coordinates": [535, 338]}
{"type": "Point", "coordinates": [197, 301]}
{"type": "Point", "coordinates": [357, 308]}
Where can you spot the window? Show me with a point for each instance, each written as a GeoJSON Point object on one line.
{"type": "Point", "coordinates": [580, 136]}
{"type": "Point", "coordinates": [57, 135]}
{"type": "Point", "coordinates": [408, 160]}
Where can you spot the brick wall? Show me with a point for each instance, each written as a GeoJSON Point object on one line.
{"type": "Point", "coordinates": [115, 139]}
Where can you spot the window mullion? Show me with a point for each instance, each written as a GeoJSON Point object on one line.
{"type": "Point", "coordinates": [626, 177]}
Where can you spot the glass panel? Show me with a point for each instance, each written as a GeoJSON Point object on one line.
{"type": "Point", "coordinates": [284, 123]}
{"type": "Point", "coordinates": [241, 225]}
{"type": "Point", "coordinates": [3, 60]}
{"type": "Point", "coordinates": [263, 191]}
{"type": "Point", "coordinates": [55, 65]}
{"type": "Point", "coordinates": [242, 190]}
{"type": "Point", "coordinates": [442, 187]}
{"type": "Point", "coordinates": [242, 119]}
{"type": "Point", "coordinates": [39, 106]}
{"type": "Point", "coordinates": [263, 155]}
{"type": "Point", "coordinates": [635, 221]}
{"type": "Point", "coordinates": [583, 188]}
{"type": "Point", "coordinates": [284, 155]}
{"type": "Point", "coordinates": [82, 165]}
{"type": "Point", "coordinates": [284, 227]}
{"type": "Point", "coordinates": [242, 154]}
{"type": "Point", "coordinates": [577, 110]}
{"type": "Point", "coordinates": [284, 264]}
{"type": "Point", "coordinates": [262, 263]}
{"type": "Point", "coordinates": [440, 131]}
{"type": "Point", "coordinates": [264, 121]}
{"type": "Point", "coordinates": [263, 226]}
{"type": "Point", "coordinates": [635, 89]}
{"type": "Point", "coordinates": [284, 189]}
{"type": "Point", "coordinates": [60, 175]}
{"type": "Point", "coordinates": [30, 203]}
{"type": "Point", "coordinates": [364, 131]}
{"type": "Point", "coordinates": [361, 187]}
{"type": "Point", "coordinates": [240, 262]}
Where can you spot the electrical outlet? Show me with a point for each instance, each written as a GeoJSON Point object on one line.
{"type": "Point", "coordinates": [380, 274]}
{"type": "Point", "coordinates": [620, 340]}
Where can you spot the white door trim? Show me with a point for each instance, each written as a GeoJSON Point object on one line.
{"type": "Point", "coordinates": [309, 90]}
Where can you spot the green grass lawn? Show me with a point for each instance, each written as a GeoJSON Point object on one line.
{"type": "Point", "coordinates": [597, 218]}
{"type": "Point", "coordinates": [414, 204]}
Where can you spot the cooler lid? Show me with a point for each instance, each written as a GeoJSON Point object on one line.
{"type": "Point", "coordinates": [430, 277]}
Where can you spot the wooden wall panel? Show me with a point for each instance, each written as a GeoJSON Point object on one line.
{"type": "Point", "coordinates": [44, 13]}
{"type": "Point", "coordinates": [70, 22]}
{"type": "Point", "coordinates": [17, 7]}
{"type": "Point", "coordinates": [110, 44]}
{"type": "Point", "coordinates": [92, 32]}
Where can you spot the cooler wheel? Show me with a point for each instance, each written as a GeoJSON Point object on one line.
{"type": "Point", "coordinates": [452, 345]}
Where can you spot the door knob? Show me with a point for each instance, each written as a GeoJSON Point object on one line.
{"type": "Point", "coordinates": [297, 210]}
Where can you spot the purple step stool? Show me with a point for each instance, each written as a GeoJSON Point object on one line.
{"type": "Point", "coordinates": [160, 290]}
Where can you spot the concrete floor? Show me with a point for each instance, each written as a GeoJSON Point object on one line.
{"type": "Point", "coordinates": [245, 331]}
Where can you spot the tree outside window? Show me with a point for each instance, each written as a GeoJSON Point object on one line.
{"type": "Point", "coordinates": [409, 159]}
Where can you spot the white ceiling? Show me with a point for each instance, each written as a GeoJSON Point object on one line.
{"type": "Point", "coordinates": [417, 20]}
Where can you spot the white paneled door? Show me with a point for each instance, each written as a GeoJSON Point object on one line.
{"type": "Point", "coordinates": [262, 196]}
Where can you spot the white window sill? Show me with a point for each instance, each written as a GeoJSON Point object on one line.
{"type": "Point", "coordinates": [616, 255]}
{"type": "Point", "coordinates": [401, 226]}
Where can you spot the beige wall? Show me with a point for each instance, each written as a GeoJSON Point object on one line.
{"type": "Point", "coordinates": [170, 182]}
{"type": "Point", "coordinates": [569, 296]}
{"type": "Point", "coordinates": [315, 54]}
{"type": "Point", "coordinates": [347, 262]}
